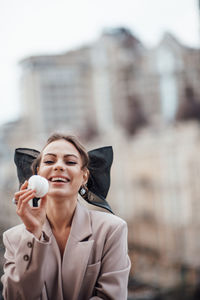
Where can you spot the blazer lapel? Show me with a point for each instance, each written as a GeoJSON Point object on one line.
{"type": "Point", "coordinates": [77, 253]}
{"type": "Point", "coordinates": [53, 280]}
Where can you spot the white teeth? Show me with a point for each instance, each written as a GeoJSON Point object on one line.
{"type": "Point", "coordinates": [59, 179]}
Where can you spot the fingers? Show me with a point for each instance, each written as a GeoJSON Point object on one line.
{"type": "Point", "coordinates": [24, 195]}
{"type": "Point", "coordinates": [24, 185]}
{"type": "Point", "coordinates": [24, 199]}
{"type": "Point", "coordinates": [20, 192]}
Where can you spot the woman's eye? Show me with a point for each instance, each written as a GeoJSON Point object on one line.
{"type": "Point", "coordinates": [48, 162]}
{"type": "Point", "coordinates": [71, 162]}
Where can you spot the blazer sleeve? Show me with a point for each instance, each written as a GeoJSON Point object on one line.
{"type": "Point", "coordinates": [112, 282]}
{"type": "Point", "coordinates": [24, 265]}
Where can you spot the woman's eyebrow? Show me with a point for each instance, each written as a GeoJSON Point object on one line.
{"type": "Point", "coordinates": [50, 154]}
{"type": "Point", "coordinates": [66, 155]}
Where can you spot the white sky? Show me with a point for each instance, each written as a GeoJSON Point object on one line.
{"type": "Point", "coordinates": [31, 27]}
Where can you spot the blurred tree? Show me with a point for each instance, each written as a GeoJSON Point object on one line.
{"type": "Point", "coordinates": [190, 107]}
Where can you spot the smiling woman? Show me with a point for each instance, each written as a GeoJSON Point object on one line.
{"type": "Point", "coordinates": [62, 250]}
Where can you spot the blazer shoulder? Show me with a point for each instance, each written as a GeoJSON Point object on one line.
{"type": "Point", "coordinates": [14, 234]}
{"type": "Point", "coordinates": [17, 229]}
{"type": "Point", "coordinates": [106, 219]}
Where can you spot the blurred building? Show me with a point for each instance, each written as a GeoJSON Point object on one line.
{"type": "Point", "coordinates": [116, 56]}
{"type": "Point", "coordinates": [164, 207]}
{"type": "Point", "coordinates": [116, 81]}
{"type": "Point", "coordinates": [178, 68]}
{"type": "Point", "coordinates": [85, 88]}
{"type": "Point", "coordinates": [57, 92]}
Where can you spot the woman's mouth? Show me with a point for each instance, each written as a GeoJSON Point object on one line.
{"type": "Point", "coordinates": [59, 179]}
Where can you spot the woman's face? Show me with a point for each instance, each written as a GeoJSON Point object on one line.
{"type": "Point", "coordinates": [61, 165]}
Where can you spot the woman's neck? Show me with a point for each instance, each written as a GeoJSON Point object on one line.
{"type": "Point", "coordinates": [60, 213]}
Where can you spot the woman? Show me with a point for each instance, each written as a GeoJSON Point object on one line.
{"type": "Point", "coordinates": [63, 250]}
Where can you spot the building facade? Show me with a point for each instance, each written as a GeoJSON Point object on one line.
{"type": "Point", "coordinates": [57, 92]}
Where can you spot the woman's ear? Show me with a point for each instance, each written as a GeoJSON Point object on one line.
{"type": "Point", "coordinates": [37, 171]}
{"type": "Point", "coordinates": [85, 176]}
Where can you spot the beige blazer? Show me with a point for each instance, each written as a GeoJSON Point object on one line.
{"type": "Point", "coordinates": [95, 263]}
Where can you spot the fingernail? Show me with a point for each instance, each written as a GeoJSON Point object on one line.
{"type": "Point", "coordinates": [14, 201]}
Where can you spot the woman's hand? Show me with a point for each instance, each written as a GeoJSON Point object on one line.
{"type": "Point", "coordinates": [32, 217]}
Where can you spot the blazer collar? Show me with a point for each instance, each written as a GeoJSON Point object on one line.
{"type": "Point", "coordinates": [77, 253]}
{"type": "Point", "coordinates": [81, 223]}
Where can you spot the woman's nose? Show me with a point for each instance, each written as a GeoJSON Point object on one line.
{"type": "Point", "coordinates": [59, 166]}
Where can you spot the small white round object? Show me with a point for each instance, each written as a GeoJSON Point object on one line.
{"type": "Point", "coordinates": [39, 184]}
